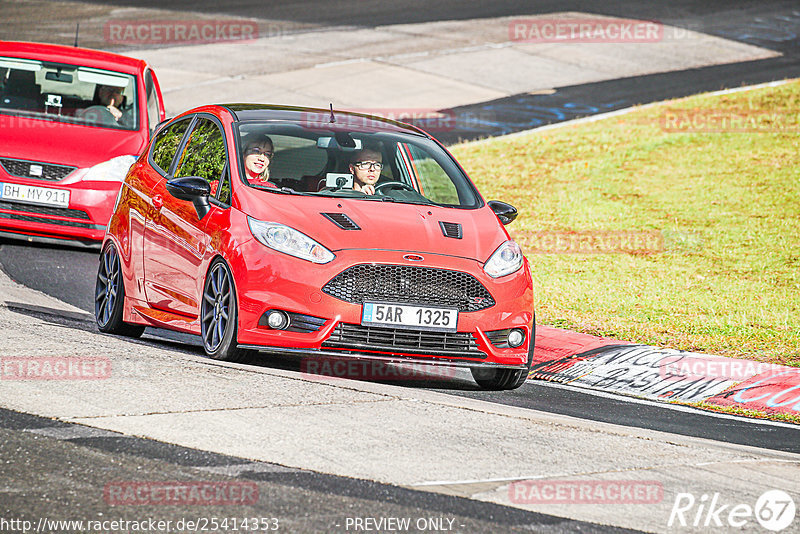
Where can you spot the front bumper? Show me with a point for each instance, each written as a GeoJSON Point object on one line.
{"type": "Point", "coordinates": [385, 358]}
{"type": "Point", "coordinates": [85, 219]}
{"type": "Point", "coordinates": [292, 285]}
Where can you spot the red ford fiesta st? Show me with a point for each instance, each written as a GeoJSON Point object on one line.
{"type": "Point", "coordinates": [295, 230]}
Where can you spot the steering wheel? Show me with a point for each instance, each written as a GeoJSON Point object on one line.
{"type": "Point", "coordinates": [393, 185]}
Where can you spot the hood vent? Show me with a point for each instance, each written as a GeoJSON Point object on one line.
{"type": "Point", "coordinates": [450, 229]}
{"type": "Point", "coordinates": [342, 221]}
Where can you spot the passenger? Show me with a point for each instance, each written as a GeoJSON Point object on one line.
{"type": "Point", "coordinates": [366, 165]}
{"type": "Point", "coordinates": [258, 152]}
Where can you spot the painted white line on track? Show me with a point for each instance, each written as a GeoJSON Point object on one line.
{"type": "Point", "coordinates": [667, 405]}
{"type": "Point", "coordinates": [235, 470]}
{"type": "Point", "coordinates": [74, 432]}
{"type": "Point", "coordinates": [580, 475]}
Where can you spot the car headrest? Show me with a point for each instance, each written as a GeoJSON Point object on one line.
{"type": "Point", "coordinates": [21, 82]}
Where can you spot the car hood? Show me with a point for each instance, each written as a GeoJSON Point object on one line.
{"type": "Point", "coordinates": [382, 225]}
{"type": "Point", "coordinates": [64, 143]}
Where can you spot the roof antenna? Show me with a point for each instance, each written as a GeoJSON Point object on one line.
{"type": "Point", "coordinates": [333, 117]}
{"type": "Point", "coordinates": [77, 27]}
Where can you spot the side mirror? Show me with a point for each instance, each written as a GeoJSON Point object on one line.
{"type": "Point", "coordinates": [505, 212]}
{"type": "Point", "coordinates": [192, 189]}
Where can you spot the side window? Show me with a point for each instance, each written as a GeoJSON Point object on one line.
{"type": "Point", "coordinates": [152, 101]}
{"type": "Point", "coordinates": [167, 143]}
{"type": "Point", "coordinates": [204, 155]}
{"type": "Point", "coordinates": [223, 191]}
{"type": "Point", "coordinates": [432, 180]}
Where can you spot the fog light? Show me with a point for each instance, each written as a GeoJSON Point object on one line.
{"type": "Point", "coordinates": [277, 319]}
{"type": "Point", "coordinates": [516, 337]}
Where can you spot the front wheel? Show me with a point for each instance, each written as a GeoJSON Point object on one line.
{"type": "Point", "coordinates": [109, 296]}
{"type": "Point", "coordinates": [499, 379]}
{"type": "Point", "coordinates": [218, 315]}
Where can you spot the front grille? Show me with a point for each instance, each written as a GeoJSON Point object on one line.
{"type": "Point", "coordinates": [22, 168]}
{"type": "Point", "coordinates": [410, 285]}
{"type": "Point", "coordinates": [45, 210]}
{"type": "Point", "coordinates": [396, 340]}
{"type": "Point", "coordinates": [59, 222]}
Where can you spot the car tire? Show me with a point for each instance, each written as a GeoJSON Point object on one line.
{"type": "Point", "coordinates": [109, 299]}
{"type": "Point", "coordinates": [219, 315]}
{"type": "Point", "coordinates": [505, 379]}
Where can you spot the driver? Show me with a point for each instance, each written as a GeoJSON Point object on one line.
{"type": "Point", "coordinates": [107, 112]}
{"type": "Point", "coordinates": [366, 165]}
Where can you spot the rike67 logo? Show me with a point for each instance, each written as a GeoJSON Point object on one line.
{"type": "Point", "coordinates": [774, 510]}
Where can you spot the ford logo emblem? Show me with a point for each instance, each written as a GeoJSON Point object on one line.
{"type": "Point", "coordinates": [413, 257]}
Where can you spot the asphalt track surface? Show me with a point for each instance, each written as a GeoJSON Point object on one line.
{"type": "Point", "coordinates": [302, 501]}
{"type": "Point", "coordinates": [68, 274]}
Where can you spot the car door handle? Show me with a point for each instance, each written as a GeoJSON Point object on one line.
{"type": "Point", "coordinates": [158, 201]}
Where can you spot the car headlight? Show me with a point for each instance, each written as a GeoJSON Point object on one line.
{"type": "Point", "coordinates": [113, 170]}
{"type": "Point", "coordinates": [289, 241]}
{"type": "Point", "coordinates": [505, 260]}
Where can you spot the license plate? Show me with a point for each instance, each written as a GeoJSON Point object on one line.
{"type": "Point", "coordinates": [34, 195]}
{"type": "Point", "coordinates": [411, 317]}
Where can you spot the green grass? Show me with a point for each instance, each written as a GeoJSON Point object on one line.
{"type": "Point", "coordinates": [726, 204]}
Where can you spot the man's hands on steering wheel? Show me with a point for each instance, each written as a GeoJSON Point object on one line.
{"type": "Point", "coordinates": [380, 188]}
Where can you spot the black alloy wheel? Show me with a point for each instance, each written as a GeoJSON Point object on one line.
{"type": "Point", "coordinates": [109, 296]}
{"type": "Point", "coordinates": [218, 315]}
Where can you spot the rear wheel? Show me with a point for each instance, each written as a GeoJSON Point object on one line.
{"type": "Point", "coordinates": [219, 315]}
{"type": "Point", "coordinates": [504, 379]}
{"type": "Point", "coordinates": [109, 296]}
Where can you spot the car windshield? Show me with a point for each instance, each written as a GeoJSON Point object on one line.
{"type": "Point", "coordinates": [362, 165]}
{"type": "Point", "coordinates": [68, 93]}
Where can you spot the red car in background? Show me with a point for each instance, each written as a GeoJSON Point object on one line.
{"type": "Point", "coordinates": [300, 260]}
{"type": "Point", "coordinates": [63, 150]}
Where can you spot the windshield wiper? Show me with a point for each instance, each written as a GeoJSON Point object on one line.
{"type": "Point", "coordinates": [282, 190]}
{"type": "Point", "coordinates": [376, 198]}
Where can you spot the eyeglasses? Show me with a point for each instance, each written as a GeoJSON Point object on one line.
{"type": "Point", "coordinates": [255, 151]}
{"type": "Point", "coordinates": [364, 165]}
